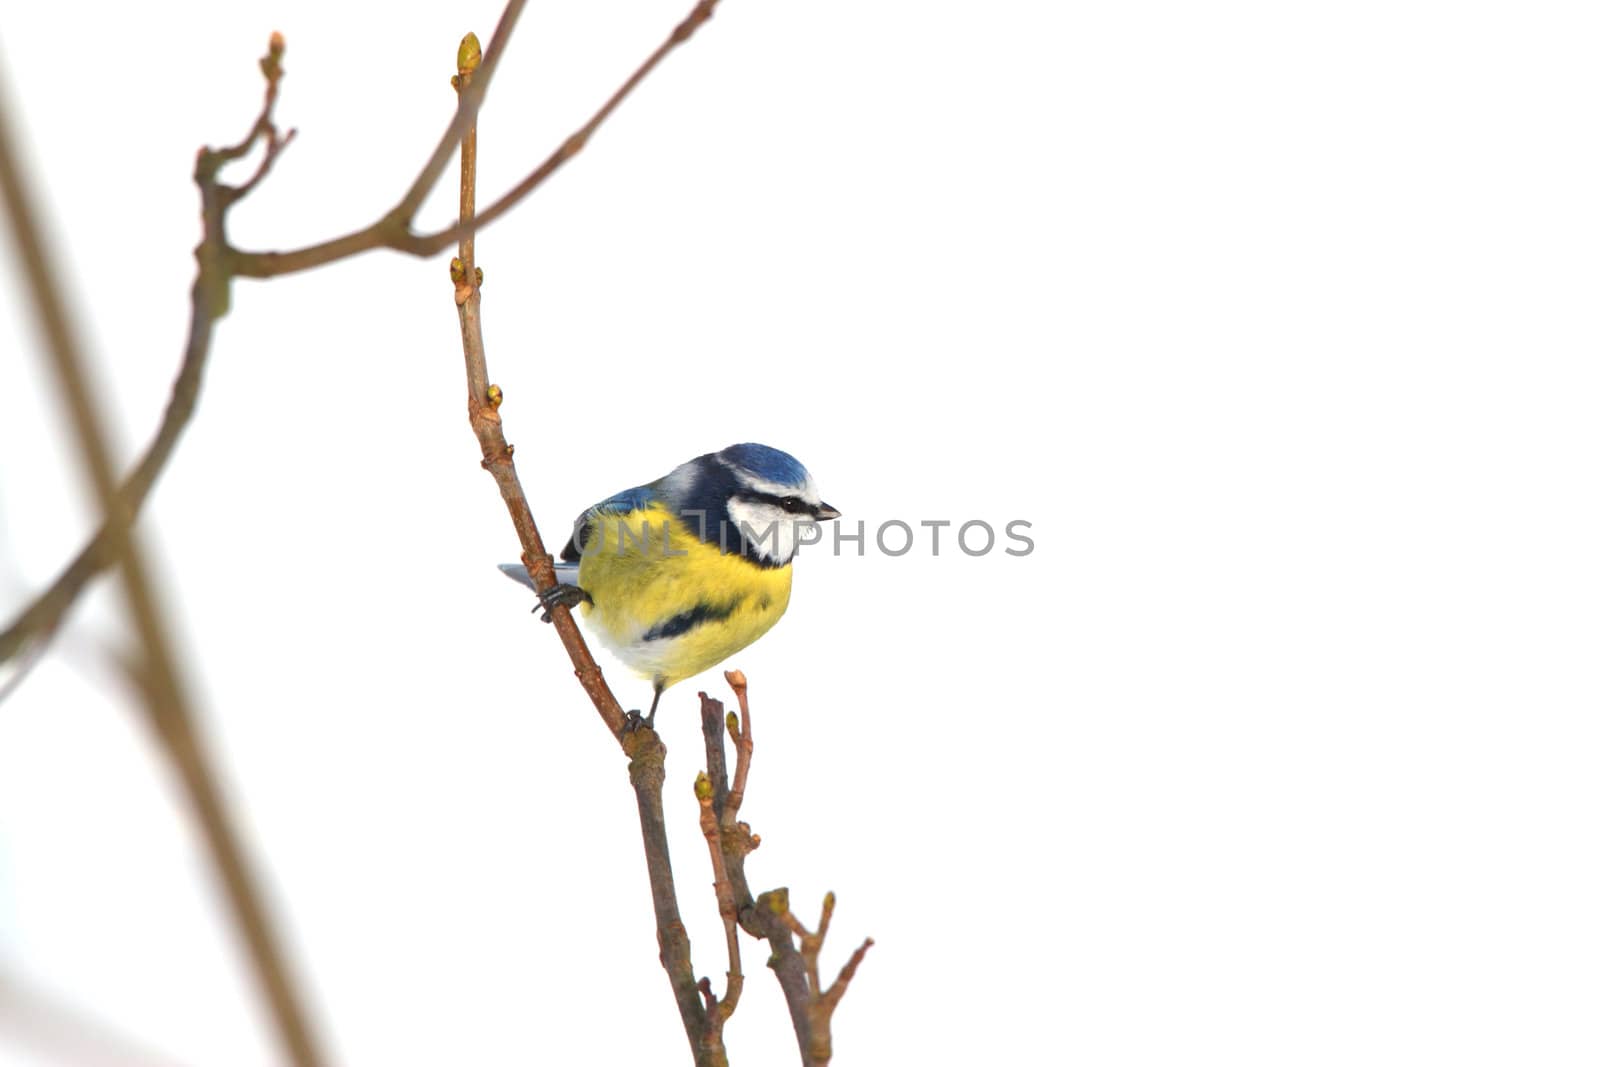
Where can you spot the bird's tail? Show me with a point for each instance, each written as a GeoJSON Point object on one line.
{"type": "Point", "coordinates": [566, 573]}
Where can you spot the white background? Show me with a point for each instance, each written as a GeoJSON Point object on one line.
{"type": "Point", "coordinates": [1276, 321]}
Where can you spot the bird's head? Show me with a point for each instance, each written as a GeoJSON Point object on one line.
{"type": "Point", "coordinates": [758, 494]}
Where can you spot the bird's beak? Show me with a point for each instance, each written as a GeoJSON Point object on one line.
{"type": "Point", "coordinates": [827, 511]}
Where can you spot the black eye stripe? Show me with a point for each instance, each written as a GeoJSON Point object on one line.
{"type": "Point", "coordinates": [788, 503]}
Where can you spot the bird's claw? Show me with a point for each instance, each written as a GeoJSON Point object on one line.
{"type": "Point", "coordinates": [636, 721]}
{"type": "Point", "coordinates": [570, 595]}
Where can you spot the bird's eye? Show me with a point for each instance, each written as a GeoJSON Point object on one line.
{"type": "Point", "coordinates": [793, 503]}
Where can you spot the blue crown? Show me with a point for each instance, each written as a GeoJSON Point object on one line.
{"type": "Point", "coordinates": [767, 463]}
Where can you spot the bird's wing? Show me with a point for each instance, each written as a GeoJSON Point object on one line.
{"type": "Point", "coordinates": [640, 496]}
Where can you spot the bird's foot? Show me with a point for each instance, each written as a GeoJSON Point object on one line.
{"type": "Point", "coordinates": [648, 722]}
{"type": "Point", "coordinates": [570, 595]}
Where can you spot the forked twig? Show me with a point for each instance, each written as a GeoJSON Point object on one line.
{"type": "Point", "coordinates": [768, 917]}
{"type": "Point", "coordinates": [822, 1001]}
{"type": "Point", "coordinates": [393, 230]}
{"type": "Point", "coordinates": [220, 263]}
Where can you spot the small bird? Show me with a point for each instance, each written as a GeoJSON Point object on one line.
{"type": "Point", "coordinates": [677, 575]}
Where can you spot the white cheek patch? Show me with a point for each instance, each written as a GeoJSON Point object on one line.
{"type": "Point", "coordinates": [769, 530]}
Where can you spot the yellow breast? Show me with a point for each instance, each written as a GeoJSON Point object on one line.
{"type": "Point", "coordinates": [668, 604]}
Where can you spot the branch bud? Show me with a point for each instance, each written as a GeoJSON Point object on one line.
{"type": "Point", "coordinates": [469, 55]}
{"type": "Point", "coordinates": [271, 63]}
{"type": "Point", "coordinates": [775, 901]}
{"type": "Point", "coordinates": [702, 786]}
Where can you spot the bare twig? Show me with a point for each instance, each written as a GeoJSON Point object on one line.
{"type": "Point", "coordinates": [743, 747]}
{"type": "Point", "coordinates": [264, 129]}
{"type": "Point", "coordinates": [719, 1011]}
{"type": "Point", "coordinates": [737, 842]}
{"type": "Point", "coordinates": [166, 704]}
{"type": "Point", "coordinates": [208, 301]}
{"type": "Point", "coordinates": [219, 263]}
{"type": "Point", "coordinates": [822, 1001]}
{"type": "Point", "coordinates": [647, 755]}
{"type": "Point", "coordinates": [647, 772]}
{"type": "Point", "coordinates": [483, 410]}
{"type": "Point", "coordinates": [393, 230]}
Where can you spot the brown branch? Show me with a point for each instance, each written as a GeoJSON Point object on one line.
{"type": "Point", "coordinates": [719, 1011]}
{"type": "Point", "coordinates": [264, 128]}
{"type": "Point", "coordinates": [208, 301]}
{"type": "Point", "coordinates": [220, 263]}
{"type": "Point", "coordinates": [393, 230]}
{"type": "Point", "coordinates": [483, 411]}
{"type": "Point", "coordinates": [822, 1002]}
{"type": "Point", "coordinates": [166, 704]}
{"type": "Point", "coordinates": [647, 755]}
{"type": "Point", "coordinates": [743, 747]}
{"type": "Point", "coordinates": [737, 840]}
{"type": "Point", "coordinates": [647, 773]}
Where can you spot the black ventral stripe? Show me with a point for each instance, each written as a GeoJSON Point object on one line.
{"type": "Point", "coordinates": [683, 622]}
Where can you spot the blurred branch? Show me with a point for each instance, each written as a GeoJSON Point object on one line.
{"type": "Point", "coordinates": [63, 1033]}
{"type": "Point", "coordinates": [208, 301]}
{"type": "Point", "coordinates": [166, 704]}
{"type": "Point", "coordinates": [220, 263]}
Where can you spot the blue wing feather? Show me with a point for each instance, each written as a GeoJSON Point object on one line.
{"type": "Point", "coordinates": [640, 496]}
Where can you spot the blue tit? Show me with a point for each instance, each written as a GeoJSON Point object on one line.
{"type": "Point", "coordinates": [677, 575]}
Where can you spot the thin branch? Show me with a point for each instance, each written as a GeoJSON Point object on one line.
{"type": "Point", "coordinates": [220, 263]}
{"type": "Point", "coordinates": [647, 755]}
{"type": "Point", "coordinates": [166, 704]}
{"type": "Point", "coordinates": [393, 230]}
{"type": "Point", "coordinates": [822, 1001]}
{"type": "Point", "coordinates": [468, 102]}
{"type": "Point", "coordinates": [208, 301]}
{"type": "Point", "coordinates": [264, 129]}
{"type": "Point", "coordinates": [647, 773]}
{"type": "Point", "coordinates": [430, 243]}
{"type": "Point", "coordinates": [719, 1011]}
{"type": "Point", "coordinates": [743, 747]}
{"type": "Point", "coordinates": [483, 411]}
{"type": "Point", "coordinates": [737, 842]}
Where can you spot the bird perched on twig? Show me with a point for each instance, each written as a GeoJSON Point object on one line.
{"type": "Point", "coordinates": [677, 575]}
